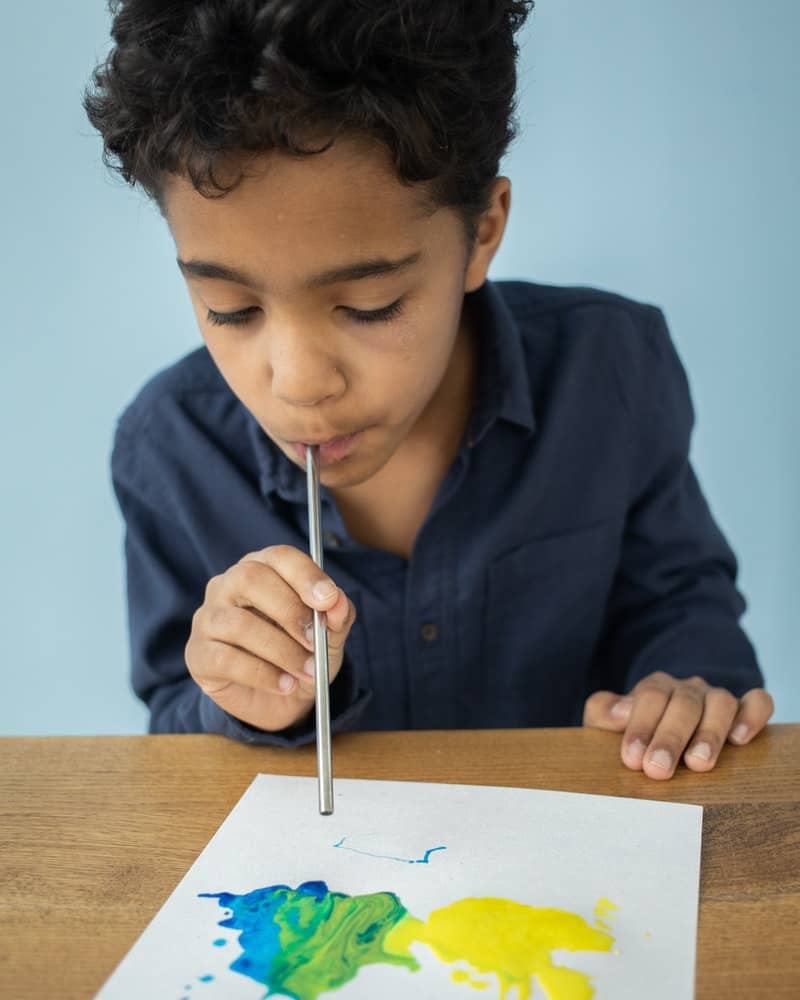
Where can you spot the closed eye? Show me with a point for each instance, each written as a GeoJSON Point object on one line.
{"type": "Point", "coordinates": [237, 318]}
{"type": "Point", "coordinates": [376, 315]}
{"type": "Point", "coordinates": [242, 316]}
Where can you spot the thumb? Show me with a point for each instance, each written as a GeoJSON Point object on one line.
{"type": "Point", "coordinates": [607, 710]}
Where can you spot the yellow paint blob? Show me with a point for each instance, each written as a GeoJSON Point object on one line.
{"type": "Point", "coordinates": [509, 940]}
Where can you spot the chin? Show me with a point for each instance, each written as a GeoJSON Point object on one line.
{"type": "Point", "coordinates": [354, 471]}
{"type": "Point", "coordinates": [342, 474]}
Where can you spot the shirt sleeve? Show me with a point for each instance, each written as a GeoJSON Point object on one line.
{"type": "Point", "coordinates": [674, 605]}
{"type": "Point", "coordinates": [166, 580]}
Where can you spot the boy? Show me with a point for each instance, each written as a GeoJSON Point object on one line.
{"type": "Point", "coordinates": [513, 532]}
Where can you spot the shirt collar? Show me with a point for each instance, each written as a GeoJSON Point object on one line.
{"type": "Point", "coordinates": [503, 393]}
{"type": "Point", "coordinates": [504, 388]}
{"type": "Point", "coordinates": [276, 474]}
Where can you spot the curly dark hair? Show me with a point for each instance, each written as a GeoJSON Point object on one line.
{"type": "Point", "coordinates": [188, 83]}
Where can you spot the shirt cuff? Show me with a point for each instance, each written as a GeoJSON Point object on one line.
{"type": "Point", "coordinates": [347, 703]}
{"type": "Point", "coordinates": [720, 653]}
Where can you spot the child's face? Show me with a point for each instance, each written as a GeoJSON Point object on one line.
{"type": "Point", "coordinates": [315, 360]}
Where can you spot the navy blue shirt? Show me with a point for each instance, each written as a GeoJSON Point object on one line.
{"type": "Point", "coordinates": [569, 548]}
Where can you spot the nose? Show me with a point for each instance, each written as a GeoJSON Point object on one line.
{"type": "Point", "coordinates": [303, 373]}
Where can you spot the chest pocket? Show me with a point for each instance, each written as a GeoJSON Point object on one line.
{"type": "Point", "coordinates": [545, 606]}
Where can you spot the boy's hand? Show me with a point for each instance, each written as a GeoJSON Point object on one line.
{"type": "Point", "coordinates": [663, 715]}
{"type": "Point", "coordinates": [251, 647]}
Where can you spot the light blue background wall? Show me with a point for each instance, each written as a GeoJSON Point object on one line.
{"type": "Point", "coordinates": [658, 159]}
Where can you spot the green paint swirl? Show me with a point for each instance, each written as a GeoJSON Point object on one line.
{"type": "Point", "coordinates": [301, 942]}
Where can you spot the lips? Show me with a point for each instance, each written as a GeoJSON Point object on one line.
{"type": "Point", "coordinates": [330, 450]}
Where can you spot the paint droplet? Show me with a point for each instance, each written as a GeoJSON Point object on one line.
{"type": "Point", "coordinates": [461, 976]}
{"type": "Point", "coordinates": [220, 942]}
{"type": "Point", "coordinates": [206, 979]}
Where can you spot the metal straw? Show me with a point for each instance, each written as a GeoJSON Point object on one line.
{"type": "Point", "coordinates": [322, 682]}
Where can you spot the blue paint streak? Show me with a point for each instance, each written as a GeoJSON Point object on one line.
{"type": "Point", "coordinates": [424, 861]}
{"type": "Point", "coordinates": [206, 979]}
{"type": "Point", "coordinates": [390, 857]}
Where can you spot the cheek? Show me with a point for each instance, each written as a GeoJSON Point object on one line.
{"type": "Point", "coordinates": [424, 337]}
{"type": "Point", "coordinates": [236, 363]}
{"type": "Point", "coordinates": [426, 348]}
{"type": "Point", "coordinates": [411, 373]}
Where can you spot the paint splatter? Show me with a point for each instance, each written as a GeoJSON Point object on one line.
{"type": "Point", "coordinates": [302, 942]}
{"type": "Point", "coordinates": [602, 912]}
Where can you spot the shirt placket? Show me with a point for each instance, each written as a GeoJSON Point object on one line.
{"type": "Point", "coordinates": [430, 639]}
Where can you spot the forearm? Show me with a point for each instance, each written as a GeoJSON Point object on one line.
{"type": "Point", "coordinates": [704, 645]}
{"type": "Point", "coordinates": [674, 606]}
{"type": "Point", "coordinates": [690, 628]}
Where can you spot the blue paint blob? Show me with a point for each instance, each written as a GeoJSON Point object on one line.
{"type": "Point", "coordinates": [206, 979]}
{"type": "Point", "coordinates": [253, 914]}
{"type": "Point", "coordinates": [220, 942]}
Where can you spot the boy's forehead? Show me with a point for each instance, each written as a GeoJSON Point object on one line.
{"type": "Point", "coordinates": [348, 195]}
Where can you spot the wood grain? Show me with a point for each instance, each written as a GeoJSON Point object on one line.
{"type": "Point", "coordinates": [96, 832]}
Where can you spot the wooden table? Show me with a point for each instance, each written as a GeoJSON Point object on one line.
{"type": "Point", "coordinates": [96, 832]}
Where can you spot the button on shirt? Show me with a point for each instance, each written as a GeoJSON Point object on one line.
{"type": "Point", "coordinates": [569, 548]}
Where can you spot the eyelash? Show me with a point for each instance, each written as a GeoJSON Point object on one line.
{"type": "Point", "coordinates": [237, 318]}
{"type": "Point", "coordinates": [241, 316]}
{"type": "Point", "coordinates": [377, 315]}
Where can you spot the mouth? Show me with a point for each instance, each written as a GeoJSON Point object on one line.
{"type": "Point", "coordinates": [330, 451]}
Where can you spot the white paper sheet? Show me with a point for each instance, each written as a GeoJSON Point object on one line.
{"type": "Point", "coordinates": [432, 846]}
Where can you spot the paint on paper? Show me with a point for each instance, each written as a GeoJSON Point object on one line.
{"type": "Point", "coordinates": [303, 942]}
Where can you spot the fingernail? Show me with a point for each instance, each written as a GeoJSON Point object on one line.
{"type": "Point", "coordinates": [286, 682]}
{"type": "Point", "coordinates": [622, 709]}
{"type": "Point", "coordinates": [637, 748]}
{"type": "Point", "coordinates": [308, 667]}
{"type": "Point", "coordinates": [701, 750]}
{"type": "Point", "coordinates": [323, 589]}
{"type": "Point", "coordinates": [740, 733]}
{"type": "Point", "coordinates": [661, 758]}
{"type": "Point", "coordinates": [308, 631]}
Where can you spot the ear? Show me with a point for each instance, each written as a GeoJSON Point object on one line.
{"type": "Point", "coordinates": [491, 226]}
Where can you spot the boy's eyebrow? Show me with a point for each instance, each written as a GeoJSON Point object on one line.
{"type": "Point", "coordinates": [370, 268]}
